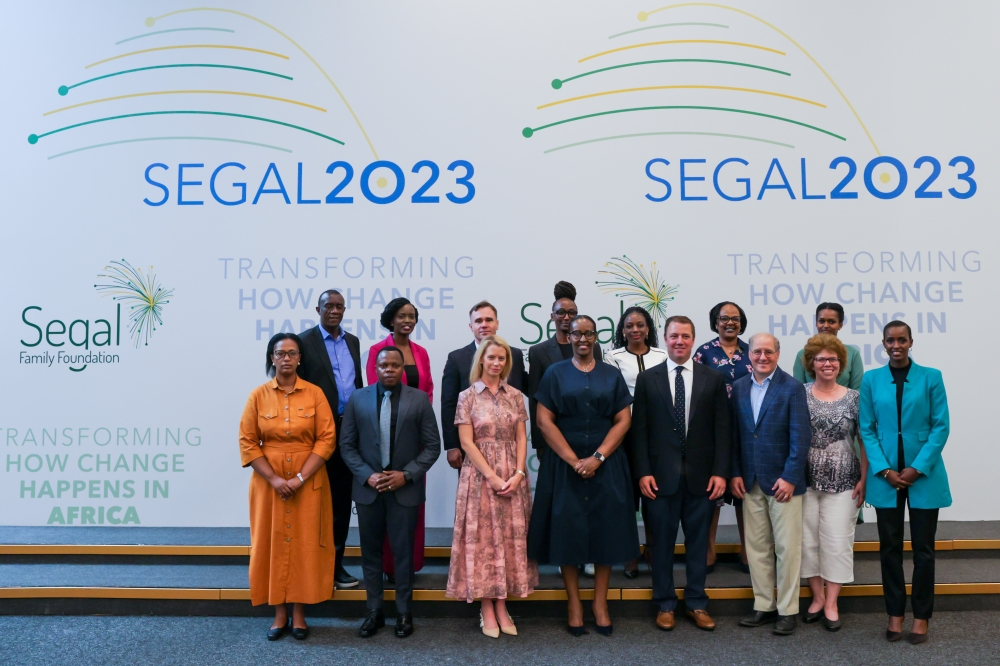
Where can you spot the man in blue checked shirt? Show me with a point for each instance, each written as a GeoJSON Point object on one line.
{"type": "Point", "coordinates": [331, 359]}
{"type": "Point", "coordinates": [771, 438]}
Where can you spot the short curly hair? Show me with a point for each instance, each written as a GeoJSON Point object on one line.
{"type": "Point", "coordinates": [394, 306]}
{"type": "Point", "coordinates": [819, 343]}
{"type": "Point", "coordinates": [713, 316]}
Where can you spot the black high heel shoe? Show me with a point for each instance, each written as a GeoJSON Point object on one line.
{"type": "Point", "coordinates": [576, 632]}
{"type": "Point", "coordinates": [300, 634]}
{"type": "Point", "coordinates": [810, 618]}
{"type": "Point", "coordinates": [275, 633]}
{"type": "Point", "coordinates": [605, 631]}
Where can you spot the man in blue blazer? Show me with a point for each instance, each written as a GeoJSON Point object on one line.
{"type": "Point", "coordinates": [771, 441]}
{"type": "Point", "coordinates": [389, 440]}
{"type": "Point", "coordinates": [904, 422]}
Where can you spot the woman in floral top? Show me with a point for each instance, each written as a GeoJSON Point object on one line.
{"type": "Point", "coordinates": [489, 552]}
{"type": "Point", "coordinates": [730, 356]}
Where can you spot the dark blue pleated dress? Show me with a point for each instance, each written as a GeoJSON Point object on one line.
{"type": "Point", "coordinates": [576, 520]}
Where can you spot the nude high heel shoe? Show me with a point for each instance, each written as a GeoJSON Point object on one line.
{"type": "Point", "coordinates": [492, 633]}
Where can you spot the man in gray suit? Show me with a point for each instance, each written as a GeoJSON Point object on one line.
{"type": "Point", "coordinates": [389, 440]}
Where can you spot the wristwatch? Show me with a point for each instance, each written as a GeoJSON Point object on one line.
{"type": "Point", "coordinates": [408, 477]}
{"type": "Point", "coordinates": [599, 455]}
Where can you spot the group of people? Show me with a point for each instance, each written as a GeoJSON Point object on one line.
{"type": "Point", "coordinates": [678, 429]}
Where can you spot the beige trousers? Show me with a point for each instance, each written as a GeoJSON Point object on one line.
{"type": "Point", "coordinates": [774, 550]}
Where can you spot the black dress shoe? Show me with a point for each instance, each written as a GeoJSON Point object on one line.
{"type": "Point", "coordinates": [893, 636]}
{"type": "Point", "coordinates": [745, 568]}
{"type": "Point", "coordinates": [300, 634]}
{"type": "Point", "coordinates": [759, 618]}
{"type": "Point", "coordinates": [785, 626]}
{"type": "Point", "coordinates": [916, 639]}
{"type": "Point", "coordinates": [276, 633]}
{"type": "Point", "coordinates": [831, 625]}
{"type": "Point", "coordinates": [810, 618]}
{"type": "Point", "coordinates": [632, 574]}
{"type": "Point", "coordinates": [391, 579]}
{"type": "Point", "coordinates": [710, 568]}
{"type": "Point", "coordinates": [576, 632]}
{"type": "Point", "coordinates": [343, 580]}
{"type": "Point", "coordinates": [374, 621]}
{"type": "Point", "coordinates": [605, 631]}
{"type": "Point", "coordinates": [404, 625]}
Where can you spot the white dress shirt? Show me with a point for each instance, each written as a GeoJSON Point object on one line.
{"type": "Point", "coordinates": [687, 374]}
{"type": "Point", "coordinates": [630, 365]}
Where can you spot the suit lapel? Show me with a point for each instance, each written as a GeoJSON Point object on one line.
{"type": "Point", "coordinates": [373, 405]}
{"type": "Point", "coordinates": [406, 398]}
{"type": "Point", "coordinates": [319, 346]}
{"type": "Point", "coordinates": [555, 354]}
{"type": "Point", "coordinates": [697, 388]}
{"type": "Point", "coordinates": [772, 389]}
{"type": "Point", "coordinates": [662, 377]}
{"type": "Point", "coordinates": [469, 354]}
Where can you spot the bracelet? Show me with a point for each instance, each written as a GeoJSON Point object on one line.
{"type": "Point", "coordinates": [300, 478]}
{"type": "Point", "coordinates": [521, 472]}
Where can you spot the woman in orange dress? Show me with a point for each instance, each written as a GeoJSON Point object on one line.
{"type": "Point", "coordinates": [286, 436]}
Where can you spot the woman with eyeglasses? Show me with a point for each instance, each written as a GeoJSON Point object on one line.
{"type": "Point", "coordinates": [635, 350]}
{"type": "Point", "coordinates": [829, 320]}
{"type": "Point", "coordinates": [400, 318]}
{"type": "Point", "coordinates": [551, 351]}
{"type": "Point", "coordinates": [730, 356]}
{"type": "Point", "coordinates": [286, 436]}
{"type": "Point", "coordinates": [835, 476]}
{"type": "Point", "coordinates": [583, 510]}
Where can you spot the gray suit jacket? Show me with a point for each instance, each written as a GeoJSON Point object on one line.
{"type": "Point", "coordinates": [417, 445]}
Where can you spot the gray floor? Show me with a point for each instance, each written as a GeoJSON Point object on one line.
{"type": "Point", "coordinates": [956, 638]}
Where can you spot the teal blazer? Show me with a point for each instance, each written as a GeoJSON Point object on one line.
{"type": "Point", "coordinates": [925, 430]}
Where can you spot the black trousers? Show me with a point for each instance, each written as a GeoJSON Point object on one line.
{"type": "Point", "coordinates": [663, 515]}
{"type": "Point", "coordinates": [923, 529]}
{"type": "Point", "coordinates": [341, 480]}
{"type": "Point", "coordinates": [387, 516]}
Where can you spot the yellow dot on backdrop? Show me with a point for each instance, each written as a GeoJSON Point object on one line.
{"type": "Point", "coordinates": [150, 21]}
{"type": "Point", "coordinates": [642, 17]}
{"type": "Point", "coordinates": [381, 182]}
{"type": "Point", "coordinates": [885, 178]}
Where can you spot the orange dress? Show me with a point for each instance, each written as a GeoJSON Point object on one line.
{"type": "Point", "coordinates": [291, 542]}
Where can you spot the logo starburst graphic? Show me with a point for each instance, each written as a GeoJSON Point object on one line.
{"type": "Point", "coordinates": [143, 295]}
{"type": "Point", "coordinates": [641, 286]}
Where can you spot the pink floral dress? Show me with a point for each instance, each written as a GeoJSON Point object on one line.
{"type": "Point", "coordinates": [489, 549]}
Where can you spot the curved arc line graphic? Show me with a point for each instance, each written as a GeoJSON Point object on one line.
{"type": "Point", "coordinates": [33, 138]}
{"type": "Point", "coordinates": [644, 15]}
{"type": "Point", "coordinates": [186, 46]}
{"type": "Point", "coordinates": [662, 25]}
{"type": "Point", "coordinates": [680, 87]}
{"type": "Point", "coordinates": [629, 136]}
{"type": "Point", "coordinates": [528, 132]}
{"type": "Point", "coordinates": [150, 21]}
{"type": "Point", "coordinates": [142, 69]}
{"type": "Point", "coordinates": [169, 138]}
{"type": "Point", "coordinates": [160, 32]}
{"type": "Point", "coordinates": [653, 62]}
{"type": "Point", "coordinates": [682, 41]}
{"type": "Point", "coordinates": [185, 92]}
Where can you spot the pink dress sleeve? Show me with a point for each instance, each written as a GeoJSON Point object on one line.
{"type": "Point", "coordinates": [463, 410]}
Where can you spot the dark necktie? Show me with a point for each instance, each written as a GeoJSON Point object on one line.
{"type": "Point", "coordinates": [679, 412]}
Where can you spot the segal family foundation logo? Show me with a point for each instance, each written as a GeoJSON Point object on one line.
{"type": "Point", "coordinates": [138, 298]}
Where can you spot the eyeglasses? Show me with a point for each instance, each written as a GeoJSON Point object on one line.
{"type": "Point", "coordinates": [824, 360]}
{"type": "Point", "coordinates": [725, 319]}
{"type": "Point", "coordinates": [579, 335]}
{"type": "Point", "coordinates": [293, 354]}
{"type": "Point", "coordinates": [766, 353]}
{"type": "Point", "coordinates": [566, 313]}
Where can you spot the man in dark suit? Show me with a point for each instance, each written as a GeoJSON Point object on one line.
{"type": "Point", "coordinates": [771, 441]}
{"type": "Point", "coordinates": [389, 441]}
{"type": "Point", "coordinates": [681, 438]}
{"type": "Point", "coordinates": [483, 322]}
{"type": "Point", "coordinates": [331, 360]}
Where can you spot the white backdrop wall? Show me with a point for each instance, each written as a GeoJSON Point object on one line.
{"type": "Point", "coordinates": [748, 115]}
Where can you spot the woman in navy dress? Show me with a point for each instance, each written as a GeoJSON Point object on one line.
{"type": "Point", "coordinates": [583, 510]}
{"type": "Point", "coordinates": [730, 356]}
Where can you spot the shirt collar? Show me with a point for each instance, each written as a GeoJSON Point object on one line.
{"type": "Point", "coordinates": [328, 336]}
{"type": "Point", "coordinates": [480, 386]}
{"type": "Point", "coordinates": [766, 381]}
{"type": "Point", "coordinates": [382, 390]}
{"type": "Point", "coordinates": [687, 365]}
{"type": "Point", "coordinates": [298, 384]}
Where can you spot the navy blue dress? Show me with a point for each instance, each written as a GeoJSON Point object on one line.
{"type": "Point", "coordinates": [576, 520]}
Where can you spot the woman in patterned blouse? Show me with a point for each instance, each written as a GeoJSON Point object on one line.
{"type": "Point", "coordinates": [836, 477]}
{"type": "Point", "coordinates": [730, 356]}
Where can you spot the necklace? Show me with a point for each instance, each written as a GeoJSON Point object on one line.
{"type": "Point", "coordinates": [593, 362]}
{"type": "Point", "coordinates": [816, 388]}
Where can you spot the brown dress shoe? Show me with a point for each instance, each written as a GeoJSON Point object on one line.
{"type": "Point", "coordinates": [665, 620]}
{"type": "Point", "coordinates": [702, 619]}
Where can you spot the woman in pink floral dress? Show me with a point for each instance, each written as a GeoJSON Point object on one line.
{"type": "Point", "coordinates": [489, 552]}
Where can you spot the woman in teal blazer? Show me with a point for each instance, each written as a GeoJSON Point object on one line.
{"type": "Point", "coordinates": [904, 425]}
